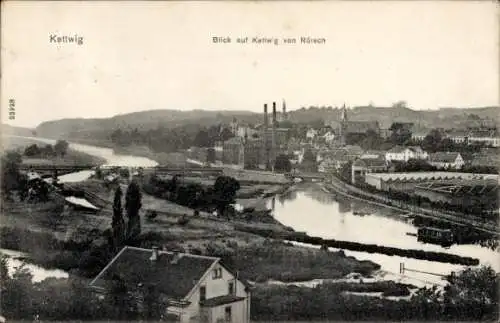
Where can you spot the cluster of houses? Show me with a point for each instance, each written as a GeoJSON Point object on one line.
{"type": "Point", "coordinates": [373, 161]}
{"type": "Point", "coordinates": [256, 147]}
{"type": "Point", "coordinates": [486, 136]}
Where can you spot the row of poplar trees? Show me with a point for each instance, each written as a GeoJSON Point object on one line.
{"type": "Point", "coordinates": [126, 232]}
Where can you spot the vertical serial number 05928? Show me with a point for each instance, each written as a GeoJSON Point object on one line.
{"type": "Point", "coordinates": [12, 109]}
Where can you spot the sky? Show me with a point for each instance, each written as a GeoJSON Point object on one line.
{"type": "Point", "coordinates": [161, 55]}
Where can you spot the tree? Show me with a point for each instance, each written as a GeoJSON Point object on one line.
{"type": "Point", "coordinates": [211, 155]}
{"type": "Point", "coordinates": [202, 139]}
{"type": "Point", "coordinates": [414, 165]}
{"type": "Point", "coordinates": [61, 147]}
{"type": "Point", "coordinates": [226, 134]}
{"type": "Point", "coordinates": [309, 161]}
{"type": "Point", "coordinates": [11, 161]}
{"type": "Point", "coordinates": [447, 145]}
{"type": "Point", "coordinates": [118, 225]}
{"type": "Point", "coordinates": [224, 191]}
{"type": "Point", "coordinates": [472, 294]}
{"type": "Point", "coordinates": [132, 205]}
{"type": "Point", "coordinates": [32, 150]}
{"type": "Point", "coordinates": [16, 296]}
{"type": "Point", "coordinates": [282, 164]}
{"type": "Point", "coordinates": [432, 141]}
{"type": "Point", "coordinates": [400, 104]}
{"type": "Point", "coordinates": [400, 133]}
{"type": "Point", "coordinates": [346, 172]}
{"type": "Point", "coordinates": [48, 151]}
{"type": "Point", "coordinates": [372, 140]}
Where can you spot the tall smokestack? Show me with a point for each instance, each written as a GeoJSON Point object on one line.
{"type": "Point", "coordinates": [265, 138]}
{"type": "Point", "coordinates": [273, 137]}
{"type": "Point", "coordinates": [274, 113]}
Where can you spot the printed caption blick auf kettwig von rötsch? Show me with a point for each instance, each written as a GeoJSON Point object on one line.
{"type": "Point", "coordinates": [268, 40]}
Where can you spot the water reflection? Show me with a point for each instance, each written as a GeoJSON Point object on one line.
{"type": "Point", "coordinates": [324, 215]}
{"type": "Point", "coordinates": [108, 154]}
{"type": "Point", "coordinates": [344, 206]}
{"type": "Point", "coordinates": [14, 261]}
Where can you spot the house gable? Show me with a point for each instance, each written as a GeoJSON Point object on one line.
{"type": "Point", "coordinates": [216, 281]}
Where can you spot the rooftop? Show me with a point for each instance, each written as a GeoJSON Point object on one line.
{"type": "Point", "coordinates": [370, 162]}
{"type": "Point", "coordinates": [173, 278]}
{"type": "Point", "coordinates": [445, 157]}
{"type": "Point", "coordinates": [418, 176]}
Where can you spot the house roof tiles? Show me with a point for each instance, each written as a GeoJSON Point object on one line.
{"type": "Point", "coordinates": [175, 279]}
{"type": "Point", "coordinates": [444, 157]}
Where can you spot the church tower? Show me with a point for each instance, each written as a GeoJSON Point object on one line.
{"type": "Point", "coordinates": [343, 125]}
{"type": "Point", "coordinates": [284, 117]}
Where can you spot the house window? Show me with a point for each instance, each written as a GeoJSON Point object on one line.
{"type": "Point", "coordinates": [228, 314]}
{"type": "Point", "coordinates": [231, 289]}
{"type": "Point", "coordinates": [203, 293]}
{"type": "Point", "coordinates": [217, 273]}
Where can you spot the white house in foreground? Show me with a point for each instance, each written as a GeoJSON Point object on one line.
{"type": "Point", "coordinates": [195, 288]}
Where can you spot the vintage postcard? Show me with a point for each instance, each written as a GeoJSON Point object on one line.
{"type": "Point", "coordinates": [213, 161]}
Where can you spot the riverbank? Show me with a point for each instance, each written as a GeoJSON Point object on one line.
{"type": "Point", "coordinates": [174, 159]}
{"type": "Point", "coordinates": [78, 241]}
{"type": "Point", "coordinates": [71, 158]}
{"type": "Point", "coordinates": [337, 186]}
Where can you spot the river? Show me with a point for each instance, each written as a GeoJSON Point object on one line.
{"type": "Point", "coordinates": [308, 208]}
{"type": "Point", "coordinates": [14, 258]}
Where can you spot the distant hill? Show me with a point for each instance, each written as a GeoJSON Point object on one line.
{"type": "Point", "coordinates": [144, 120]}
{"type": "Point", "coordinates": [16, 131]}
{"type": "Point", "coordinates": [441, 118]}
{"type": "Point", "coordinates": [100, 129]}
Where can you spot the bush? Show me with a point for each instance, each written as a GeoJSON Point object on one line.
{"type": "Point", "coordinates": [183, 220]}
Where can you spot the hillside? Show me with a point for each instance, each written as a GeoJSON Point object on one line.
{"type": "Point", "coordinates": [144, 120]}
{"type": "Point", "coordinates": [16, 131]}
{"type": "Point", "coordinates": [100, 129]}
{"type": "Point", "coordinates": [444, 117]}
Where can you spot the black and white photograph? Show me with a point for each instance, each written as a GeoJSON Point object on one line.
{"type": "Point", "coordinates": [249, 161]}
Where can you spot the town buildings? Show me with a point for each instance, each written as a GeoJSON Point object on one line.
{"type": "Point", "coordinates": [403, 154]}
{"type": "Point", "coordinates": [232, 151]}
{"type": "Point", "coordinates": [487, 137]}
{"type": "Point", "coordinates": [480, 136]}
{"type": "Point", "coordinates": [446, 160]}
{"type": "Point", "coordinates": [349, 129]}
{"type": "Point", "coordinates": [419, 135]}
{"type": "Point", "coordinates": [408, 181]}
{"type": "Point", "coordinates": [193, 288]}
{"type": "Point", "coordinates": [257, 147]}
{"type": "Point", "coordinates": [361, 167]}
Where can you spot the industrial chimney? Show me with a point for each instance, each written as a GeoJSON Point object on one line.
{"type": "Point", "coordinates": [265, 137]}
{"type": "Point", "coordinates": [273, 137]}
{"type": "Point", "coordinates": [266, 121]}
{"type": "Point", "coordinates": [274, 113]}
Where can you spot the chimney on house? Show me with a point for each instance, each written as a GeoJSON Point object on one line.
{"type": "Point", "coordinates": [154, 254]}
{"type": "Point", "coordinates": [176, 258]}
